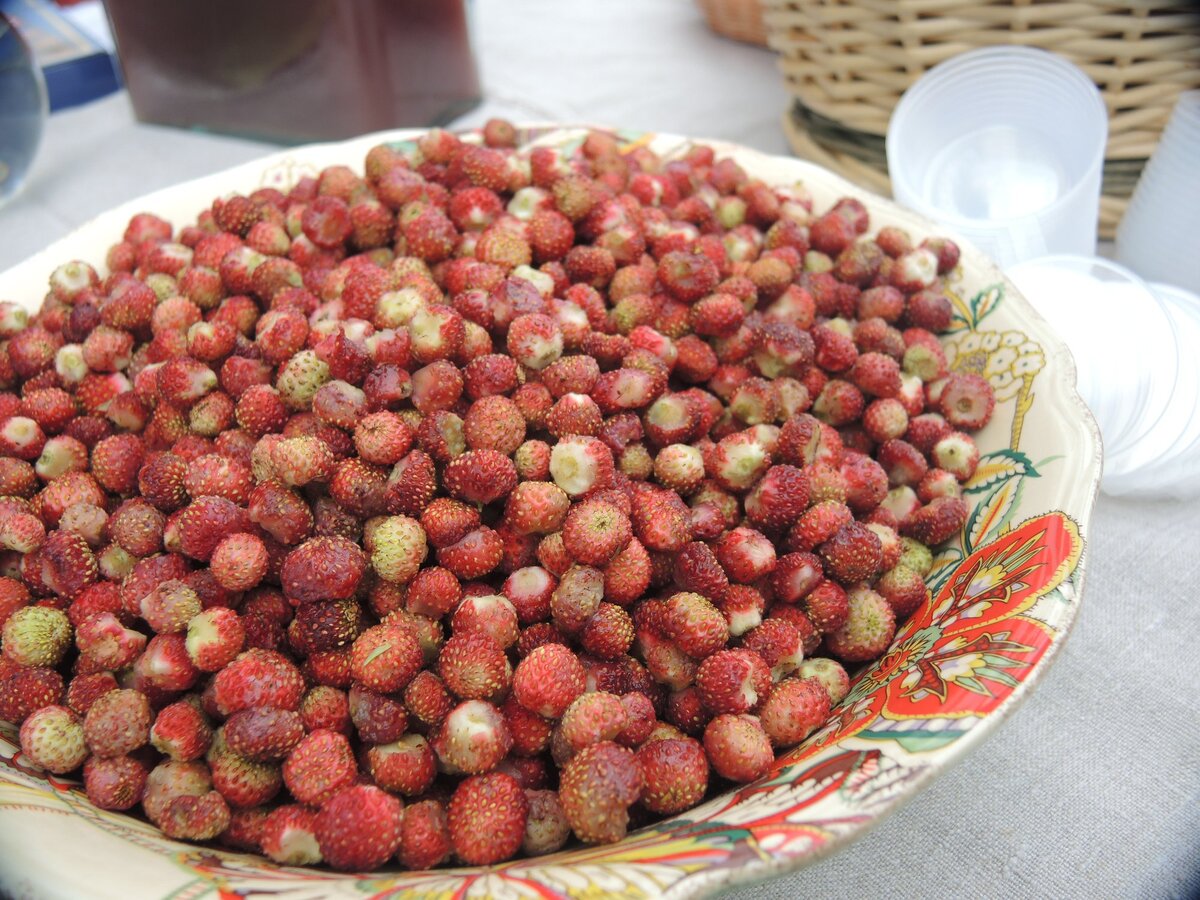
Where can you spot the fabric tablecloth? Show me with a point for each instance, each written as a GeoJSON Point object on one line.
{"type": "Point", "coordinates": [1092, 789]}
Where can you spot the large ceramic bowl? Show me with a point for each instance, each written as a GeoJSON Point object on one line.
{"type": "Point", "coordinates": [1002, 598]}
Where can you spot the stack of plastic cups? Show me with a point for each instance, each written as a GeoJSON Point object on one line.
{"type": "Point", "coordinates": [1005, 147]}
{"type": "Point", "coordinates": [1132, 344]}
{"type": "Point", "coordinates": [1158, 239]}
{"type": "Point", "coordinates": [1159, 235]}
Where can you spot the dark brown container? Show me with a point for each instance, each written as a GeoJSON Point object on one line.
{"type": "Point", "coordinates": [296, 70]}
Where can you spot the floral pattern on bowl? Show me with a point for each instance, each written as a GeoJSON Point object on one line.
{"type": "Point", "coordinates": [1001, 601]}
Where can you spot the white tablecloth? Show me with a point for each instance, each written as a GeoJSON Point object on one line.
{"type": "Point", "coordinates": [1093, 788]}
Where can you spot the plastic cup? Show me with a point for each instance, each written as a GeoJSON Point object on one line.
{"type": "Point", "coordinates": [1005, 147]}
{"type": "Point", "coordinates": [1127, 355]}
{"type": "Point", "coordinates": [1157, 235]}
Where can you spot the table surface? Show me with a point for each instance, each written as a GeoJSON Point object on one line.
{"type": "Point", "coordinates": [1093, 787]}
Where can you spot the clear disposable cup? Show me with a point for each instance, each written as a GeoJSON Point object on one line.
{"type": "Point", "coordinates": [1157, 236]}
{"type": "Point", "coordinates": [1125, 345]}
{"type": "Point", "coordinates": [1005, 147]}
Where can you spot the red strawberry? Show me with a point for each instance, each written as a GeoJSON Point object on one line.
{"type": "Point", "coordinates": [116, 782]}
{"type": "Point", "coordinates": [795, 708]}
{"type": "Point", "coordinates": [425, 835]}
{"type": "Point", "coordinates": [258, 678]}
{"type": "Point", "coordinates": [548, 680]}
{"type": "Point", "coordinates": [358, 828]}
{"type": "Point", "coordinates": [967, 401]}
{"type": "Point", "coordinates": [675, 774]}
{"type": "Point", "coordinates": [737, 747]}
{"type": "Point", "coordinates": [596, 789]}
{"type": "Point", "coordinates": [868, 629]}
{"type": "Point", "coordinates": [318, 766]}
{"type": "Point", "coordinates": [486, 817]}
{"type": "Point", "coordinates": [289, 836]}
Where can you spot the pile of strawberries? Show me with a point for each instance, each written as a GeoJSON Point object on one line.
{"type": "Point", "coordinates": [488, 498]}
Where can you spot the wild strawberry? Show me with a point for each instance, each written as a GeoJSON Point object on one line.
{"type": "Point", "coordinates": [627, 576]}
{"type": "Point", "coordinates": [473, 556]}
{"type": "Point", "coordinates": [164, 665]}
{"type": "Point", "coordinates": [581, 464]}
{"type": "Point", "coordinates": [885, 420]}
{"type": "Point", "coordinates": [687, 276]}
{"type": "Point", "coordinates": [595, 531]}
{"type": "Point", "coordinates": [490, 614]}
{"type": "Point", "coordinates": [852, 554]}
{"type": "Point", "coordinates": [733, 681]}
{"type": "Point", "coordinates": [115, 783]}
{"type": "Point", "coordinates": [494, 423]}
{"type": "Point", "coordinates": [474, 667]}
{"type": "Point", "coordinates": [195, 818]}
{"type": "Point", "coordinates": [537, 508]}
{"type": "Point", "coordinates": [36, 636]}
{"type": "Point", "coordinates": [68, 565]}
{"type": "Point", "coordinates": [795, 575]}
{"type": "Point", "coordinates": [936, 521]}
{"type": "Point", "coordinates": [239, 562]}
{"type": "Point", "coordinates": [576, 598]}
{"type": "Point", "coordinates": [317, 767]}
{"type": "Point", "coordinates": [21, 437]}
{"type": "Point", "coordinates": [593, 717]}
{"type": "Point", "coordinates": [105, 642]}
{"type": "Point", "coordinates": [938, 483]}
{"type": "Point", "coordinates": [258, 678]}
{"type": "Point", "coordinates": [323, 568]}
{"type": "Point", "coordinates": [181, 732]}
{"type": "Point", "coordinates": [746, 555]}
{"type": "Point", "coordinates": [597, 787]}
{"type": "Point", "coordinates": [480, 476]}
{"type": "Point", "coordinates": [928, 308]}
{"type": "Point", "coordinates": [472, 738]}
{"type": "Point", "coordinates": [53, 739]}
{"type": "Point", "coordinates": [17, 477]}
{"type": "Point", "coordinates": [957, 454]}
{"type": "Point", "coordinates": [826, 606]}
{"type": "Point", "coordinates": [535, 340]}
{"type": "Point", "coordinates": [737, 747]}
{"type": "Point", "coordinates": [794, 710]}
{"type": "Point", "coordinates": [21, 532]}
{"type": "Point", "coordinates": [868, 629]}
{"type": "Point", "coordinates": [263, 734]}
{"type": "Point", "coordinates": [694, 624]}
{"type": "Point", "coordinates": [679, 467]}
{"type": "Point", "coordinates": [27, 690]}
{"type": "Point", "coordinates": [411, 484]}
{"type": "Point", "coordinates": [289, 837]}
{"type": "Point", "coordinates": [780, 645]}
{"type": "Point", "coordinates": [13, 596]}
{"type": "Point", "coordinates": [674, 773]}
{"type": "Point", "coordinates": [829, 674]}
{"type": "Point", "coordinates": [661, 521]}
{"type": "Point", "coordinates": [424, 836]}
{"type": "Point", "coordinates": [486, 818]}
{"type": "Point", "coordinates": [386, 657]}
{"type": "Point", "coordinates": [117, 723]}
{"type": "Point", "coordinates": [967, 401]}
{"type": "Point", "coordinates": [358, 828]}
{"type": "Point", "coordinates": [608, 633]}
{"type": "Point", "coordinates": [903, 589]}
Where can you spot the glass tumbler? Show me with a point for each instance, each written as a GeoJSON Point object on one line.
{"type": "Point", "coordinates": [23, 109]}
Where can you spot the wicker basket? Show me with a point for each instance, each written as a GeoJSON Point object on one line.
{"type": "Point", "coordinates": [846, 63]}
{"type": "Point", "coordinates": [741, 20]}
